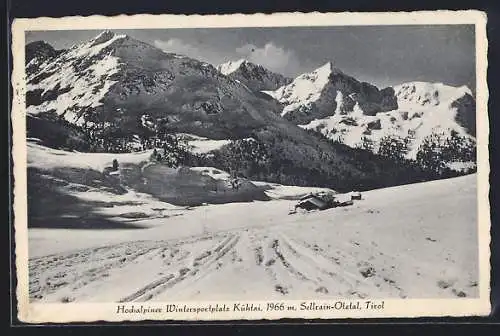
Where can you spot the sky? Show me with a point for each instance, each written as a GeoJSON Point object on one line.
{"type": "Point", "coordinates": [381, 55]}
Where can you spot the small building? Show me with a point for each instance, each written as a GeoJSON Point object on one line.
{"type": "Point", "coordinates": [306, 196]}
{"type": "Point", "coordinates": [312, 202]}
{"type": "Point", "coordinates": [355, 195]}
{"type": "Point", "coordinates": [344, 203]}
{"type": "Point", "coordinates": [326, 200]}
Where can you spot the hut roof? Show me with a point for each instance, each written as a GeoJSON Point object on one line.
{"type": "Point", "coordinates": [313, 199]}
{"type": "Point", "coordinates": [306, 196]}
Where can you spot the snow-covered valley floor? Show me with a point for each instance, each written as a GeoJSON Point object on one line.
{"type": "Point", "coordinates": [415, 241]}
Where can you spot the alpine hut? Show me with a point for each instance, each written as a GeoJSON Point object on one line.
{"type": "Point", "coordinates": [312, 202]}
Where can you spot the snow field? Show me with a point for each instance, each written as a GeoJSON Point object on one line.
{"type": "Point", "coordinates": [411, 241]}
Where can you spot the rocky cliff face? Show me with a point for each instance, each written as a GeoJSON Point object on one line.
{"type": "Point", "coordinates": [38, 53]}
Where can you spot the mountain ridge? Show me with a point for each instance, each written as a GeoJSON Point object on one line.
{"type": "Point", "coordinates": [326, 89]}
{"type": "Point", "coordinates": [105, 93]}
{"type": "Point", "coordinates": [110, 72]}
{"type": "Point", "coordinates": [100, 93]}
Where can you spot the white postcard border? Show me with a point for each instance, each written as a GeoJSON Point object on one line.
{"type": "Point", "coordinates": [83, 312]}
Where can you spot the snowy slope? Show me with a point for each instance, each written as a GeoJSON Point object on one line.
{"type": "Point", "coordinates": [230, 66]}
{"type": "Point", "coordinates": [304, 89]}
{"type": "Point", "coordinates": [70, 190]}
{"type": "Point", "coordinates": [202, 145]}
{"type": "Point", "coordinates": [414, 94]}
{"type": "Point", "coordinates": [415, 241]}
{"type": "Point", "coordinates": [73, 90]}
{"type": "Point", "coordinates": [456, 103]}
{"type": "Point", "coordinates": [423, 109]}
{"type": "Point", "coordinates": [278, 191]}
{"type": "Point", "coordinates": [48, 158]}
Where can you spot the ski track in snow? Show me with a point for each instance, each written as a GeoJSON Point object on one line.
{"type": "Point", "coordinates": [288, 262]}
{"type": "Point", "coordinates": [175, 263]}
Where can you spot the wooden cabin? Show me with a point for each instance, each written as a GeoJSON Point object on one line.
{"type": "Point", "coordinates": [312, 202]}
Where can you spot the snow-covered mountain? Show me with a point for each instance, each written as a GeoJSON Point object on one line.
{"type": "Point", "coordinates": [327, 91]}
{"type": "Point", "coordinates": [458, 103]}
{"type": "Point", "coordinates": [351, 112]}
{"type": "Point", "coordinates": [107, 92]}
{"type": "Point", "coordinates": [113, 80]}
{"type": "Point", "coordinates": [254, 76]}
{"type": "Point", "coordinates": [424, 109]}
{"type": "Point", "coordinates": [230, 66]}
{"type": "Point", "coordinates": [113, 90]}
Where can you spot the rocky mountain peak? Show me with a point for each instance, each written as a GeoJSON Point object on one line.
{"type": "Point", "coordinates": [38, 53]}
{"type": "Point", "coordinates": [105, 36]}
{"type": "Point", "coordinates": [231, 66]}
{"type": "Point", "coordinates": [254, 76]}
{"type": "Point", "coordinates": [327, 90]}
{"type": "Point", "coordinates": [40, 49]}
{"type": "Point", "coordinates": [325, 68]}
{"type": "Point", "coordinates": [428, 94]}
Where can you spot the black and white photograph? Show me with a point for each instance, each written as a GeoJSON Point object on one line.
{"type": "Point", "coordinates": [319, 169]}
